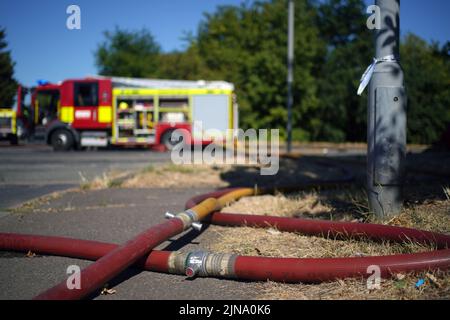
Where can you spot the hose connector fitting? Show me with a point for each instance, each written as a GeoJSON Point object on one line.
{"type": "Point", "coordinates": [202, 264]}
{"type": "Point", "coordinates": [188, 217]}
{"type": "Point", "coordinates": [197, 226]}
{"type": "Point", "coordinates": [169, 215]}
{"type": "Point", "coordinates": [195, 264]}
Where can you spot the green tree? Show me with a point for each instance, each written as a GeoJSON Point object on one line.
{"type": "Point", "coordinates": [246, 45]}
{"type": "Point", "coordinates": [342, 116]}
{"type": "Point", "coordinates": [128, 54]}
{"type": "Point", "coordinates": [185, 65]}
{"type": "Point", "coordinates": [8, 85]}
{"type": "Point", "coordinates": [427, 77]}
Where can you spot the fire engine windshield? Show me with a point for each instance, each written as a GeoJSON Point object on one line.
{"type": "Point", "coordinates": [46, 105]}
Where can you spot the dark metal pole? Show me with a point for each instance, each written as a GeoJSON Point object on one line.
{"type": "Point", "coordinates": [290, 74]}
{"type": "Point", "coordinates": [386, 117]}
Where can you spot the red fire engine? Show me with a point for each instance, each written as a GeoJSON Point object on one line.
{"type": "Point", "coordinates": [101, 111]}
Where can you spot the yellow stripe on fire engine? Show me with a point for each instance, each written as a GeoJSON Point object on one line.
{"type": "Point", "coordinates": [66, 114]}
{"type": "Point", "coordinates": [7, 113]}
{"type": "Point", "coordinates": [14, 123]}
{"type": "Point", "coordinates": [175, 92]}
{"type": "Point", "coordinates": [105, 114]}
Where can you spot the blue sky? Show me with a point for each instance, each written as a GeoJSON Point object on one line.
{"type": "Point", "coordinates": [43, 48]}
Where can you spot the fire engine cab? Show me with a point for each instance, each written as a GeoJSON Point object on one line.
{"type": "Point", "coordinates": [101, 111]}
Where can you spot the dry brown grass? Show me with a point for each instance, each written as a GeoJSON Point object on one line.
{"type": "Point", "coordinates": [202, 175]}
{"type": "Point", "coordinates": [177, 176]}
{"type": "Point", "coordinates": [105, 181]}
{"type": "Point", "coordinates": [430, 216]}
{"type": "Point", "coordinates": [314, 204]}
{"type": "Point", "coordinates": [399, 288]}
{"type": "Point", "coordinates": [273, 243]}
{"type": "Point", "coordinates": [280, 205]}
{"type": "Point", "coordinates": [434, 216]}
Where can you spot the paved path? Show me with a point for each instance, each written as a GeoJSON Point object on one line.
{"type": "Point", "coordinates": [30, 171]}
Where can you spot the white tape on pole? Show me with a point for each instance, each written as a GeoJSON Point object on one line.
{"type": "Point", "coordinates": [365, 79]}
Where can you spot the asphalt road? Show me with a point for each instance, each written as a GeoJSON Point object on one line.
{"type": "Point", "coordinates": [30, 171]}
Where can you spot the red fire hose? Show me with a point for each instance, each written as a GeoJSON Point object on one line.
{"type": "Point", "coordinates": [262, 268]}
{"type": "Point", "coordinates": [112, 259]}
{"type": "Point", "coordinates": [334, 230]}
{"type": "Point", "coordinates": [76, 248]}
{"type": "Point", "coordinates": [115, 261]}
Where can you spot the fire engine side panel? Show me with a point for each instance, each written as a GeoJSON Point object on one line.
{"type": "Point", "coordinates": [214, 107]}
{"type": "Point", "coordinates": [86, 117]}
{"type": "Point", "coordinates": [210, 112]}
{"type": "Point", "coordinates": [66, 109]}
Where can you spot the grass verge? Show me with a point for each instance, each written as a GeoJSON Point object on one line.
{"type": "Point", "coordinates": [432, 215]}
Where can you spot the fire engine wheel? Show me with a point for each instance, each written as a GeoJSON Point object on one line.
{"type": "Point", "coordinates": [167, 141]}
{"type": "Point", "coordinates": [62, 140]}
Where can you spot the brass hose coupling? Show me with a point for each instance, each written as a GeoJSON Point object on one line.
{"type": "Point", "coordinates": [202, 264]}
